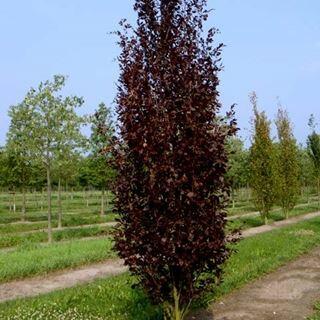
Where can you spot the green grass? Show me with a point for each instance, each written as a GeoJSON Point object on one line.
{"type": "Point", "coordinates": [79, 204]}
{"type": "Point", "coordinates": [256, 221]}
{"type": "Point", "coordinates": [14, 240]}
{"type": "Point", "coordinates": [34, 259]}
{"type": "Point", "coordinates": [115, 299]}
{"type": "Point", "coordinates": [316, 316]}
{"type": "Point", "coordinates": [67, 221]}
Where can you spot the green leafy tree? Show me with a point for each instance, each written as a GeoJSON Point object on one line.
{"type": "Point", "coordinates": [287, 164]}
{"type": "Point", "coordinates": [10, 174]}
{"type": "Point", "coordinates": [313, 144]}
{"type": "Point", "coordinates": [262, 163]}
{"type": "Point", "coordinates": [18, 149]}
{"type": "Point", "coordinates": [102, 131]}
{"type": "Point", "coordinates": [2, 167]}
{"type": "Point", "coordinates": [54, 127]}
{"type": "Point", "coordinates": [306, 174]}
{"type": "Point", "coordinates": [238, 173]}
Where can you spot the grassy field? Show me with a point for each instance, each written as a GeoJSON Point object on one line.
{"type": "Point", "coordinates": [316, 316]}
{"type": "Point", "coordinates": [22, 239]}
{"type": "Point", "coordinates": [114, 298]}
{"type": "Point", "coordinates": [35, 259]}
{"type": "Point", "coordinates": [24, 253]}
{"type": "Point", "coordinates": [78, 204]}
{"type": "Point", "coordinates": [23, 248]}
{"type": "Point", "coordinates": [256, 221]}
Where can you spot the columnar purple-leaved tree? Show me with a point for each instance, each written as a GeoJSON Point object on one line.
{"type": "Point", "coordinates": [171, 191]}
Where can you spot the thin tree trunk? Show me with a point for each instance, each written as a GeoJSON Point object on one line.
{"type": "Point", "coordinates": [265, 219]}
{"type": "Point", "coordinates": [36, 198]}
{"type": "Point", "coordinates": [87, 197]}
{"type": "Point", "coordinates": [41, 199]}
{"type": "Point", "coordinates": [23, 211]}
{"type": "Point", "coordinates": [49, 203]}
{"type": "Point", "coordinates": [107, 200]}
{"type": "Point", "coordinates": [318, 190]}
{"type": "Point", "coordinates": [10, 201]}
{"type": "Point", "coordinates": [102, 212]}
{"type": "Point", "coordinates": [59, 205]}
{"type": "Point", "coordinates": [14, 201]}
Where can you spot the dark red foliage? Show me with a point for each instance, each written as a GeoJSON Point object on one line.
{"type": "Point", "coordinates": [171, 191]}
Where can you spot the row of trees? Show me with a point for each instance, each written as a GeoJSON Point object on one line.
{"type": "Point", "coordinates": [277, 168]}
{"type": "Point", "coordinates": [45, 142]}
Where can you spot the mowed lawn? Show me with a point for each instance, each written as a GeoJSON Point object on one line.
{"type": "Point", "coordinates": [115, 299]}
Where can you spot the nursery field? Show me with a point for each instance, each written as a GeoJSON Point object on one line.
{"type": "Point", "coordinates": [114, 298]}
{"type": "Point", "coordinates": [85, 238]}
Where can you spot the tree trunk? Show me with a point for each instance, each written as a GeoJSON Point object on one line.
{"type": "Point", "coordinates": [10, 201]}
{"type": "Point", "coordinates": [107, 201]}
{"type": "Point", "coordinates": [102, 212]}
{"type": "Point", "coordinates": [86, 196]}
{"type": "Point", "coordinates": [23, 211]}
{"type": "Point", "coordinates": [265, 218]}
{"type": "Point", "coordinates": [42, 200]}
{"type": "Point", "coordinates": [318, 191]}
{"type": "Point", "coordinates": [175, 311]}
{"type": "Point", "coordinates": [14, 201]}
{"type": "Point", "coordinates": [36, 198]}
{"type": "Point", "coordinates": [49, 204]}
{"type": "Point", "coordinates": [59, 205]}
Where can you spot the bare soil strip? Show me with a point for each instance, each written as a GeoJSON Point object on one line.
{"type": "Point", "coordinates": [60, 280]}
{"type": "Point", "coordinates": [286, 294]}
{"type": "Point", "coordinates": [279, 224]}
{"type": "Point", "coordinates": [256, 213]}
{"type": "Point", "coordinates": [67, 278]}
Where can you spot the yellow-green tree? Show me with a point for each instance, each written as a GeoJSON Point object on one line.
{"type": "Point", "coordinates": [262, 176]}
{"type": "Point", "coordinates": [313, 144]}
{"type": "Point", "coordinates": [287, 164]}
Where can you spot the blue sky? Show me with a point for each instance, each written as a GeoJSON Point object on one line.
{"type": "Point", "coordinates": [272, 47]}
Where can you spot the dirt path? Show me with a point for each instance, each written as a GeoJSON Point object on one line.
{"type": "Point", "coordinates": [60, 280]}
{"type": "Point", "coordinates": [256, 213]}
{"type": "Point", "coordinates": [68, 278]}
{"type": "Point", "coordinates": [279, 224]}
{"type": "Point", "coordinates": [286, 294]}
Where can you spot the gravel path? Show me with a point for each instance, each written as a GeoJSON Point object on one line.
{"type": "Point", "coordinates": [286, 294]}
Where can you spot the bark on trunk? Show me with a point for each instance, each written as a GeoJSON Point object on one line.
{"type": "Point", "coordinates": [14, 201]}
{"type": "Point", "coordinates": [107, 201]}
{"type": "Point", "coordinates": [59, 205]}
{"type": "Point", "coordinates": [102, 211]}
{"type": "Point", "coordinates": [23, 211]}
{"type": "Point", "coordinates": [41, 199]}
{"type": "Point", "coordinates": [318, 189]}
{"type": "Point", "coordinates": [49, 204]}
